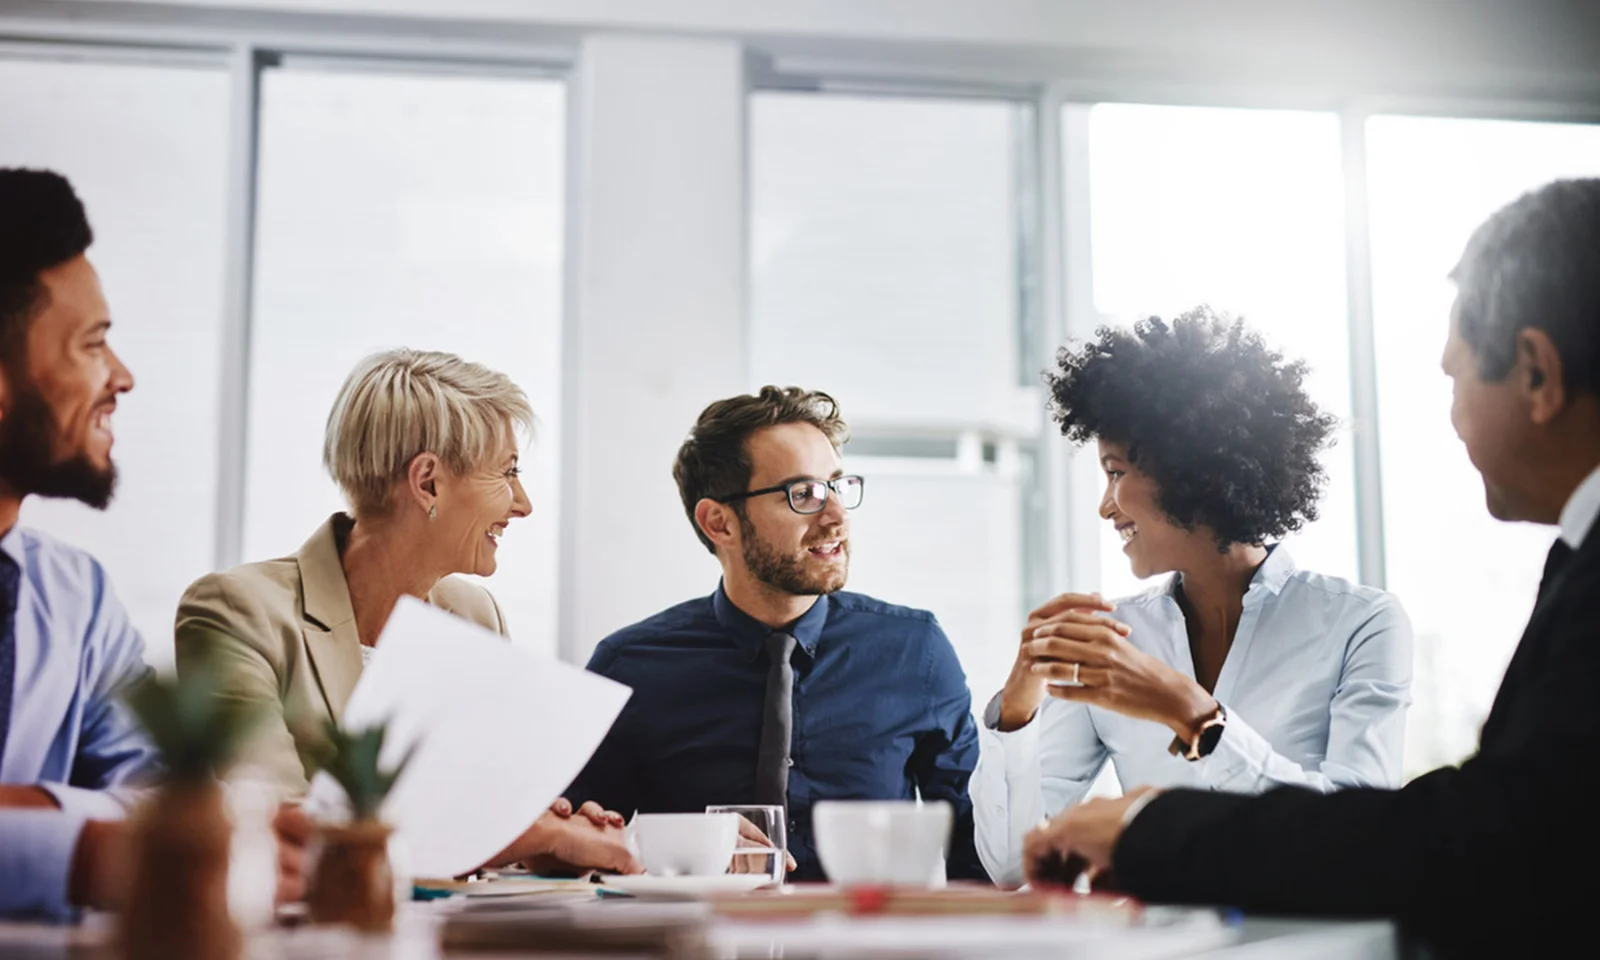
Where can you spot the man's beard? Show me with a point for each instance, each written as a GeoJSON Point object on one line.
{"type": "Point", "coordinates": [27, 447]}
{"type": "Point", "coordinates": [787, 572]}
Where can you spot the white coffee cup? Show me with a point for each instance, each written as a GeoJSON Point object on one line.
{"type": "Point", "coordinates": [895, 842]}
{"type": "Point", "coordinates": [685, 844]}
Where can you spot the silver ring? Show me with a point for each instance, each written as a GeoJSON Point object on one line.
{"type": "Point", "coordinates": [1075, 667]}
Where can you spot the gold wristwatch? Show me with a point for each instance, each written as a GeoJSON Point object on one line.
{"type": "Point", "coordinates": [1205, 738]}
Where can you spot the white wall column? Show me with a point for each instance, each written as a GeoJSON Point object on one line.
{"type": "Point", "coordinates": [655, 315]}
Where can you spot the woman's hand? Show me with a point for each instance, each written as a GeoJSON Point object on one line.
{"type": "Point", "coordinates": [1091, 661]}
{"type": "Point", "coordinates": [1025, 690]}
{"type": "Point", "coordinates": [557, 845]}
{"type": "Point", "coordinates": [293, 829]}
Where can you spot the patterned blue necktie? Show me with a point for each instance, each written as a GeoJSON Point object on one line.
{"type": "Point", "coordinates": [10, 579]}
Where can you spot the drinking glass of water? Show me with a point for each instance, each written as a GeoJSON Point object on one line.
{"type": "Point", "coordinates": [751, 856]}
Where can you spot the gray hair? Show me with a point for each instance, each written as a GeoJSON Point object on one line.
{"type": "Point", "coordinates": [400, 403]}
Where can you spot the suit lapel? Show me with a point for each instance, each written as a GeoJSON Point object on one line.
{"type": "Point", "coordinates": [1537, 636]}
{"type": "Point", "coordinates": [329, 626]}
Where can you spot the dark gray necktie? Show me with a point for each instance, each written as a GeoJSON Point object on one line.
{"type": "Point", "coordinates": [777, 722]}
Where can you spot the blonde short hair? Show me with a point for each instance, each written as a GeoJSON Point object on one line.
{"type": "Point", "coordinates": [400, 403]}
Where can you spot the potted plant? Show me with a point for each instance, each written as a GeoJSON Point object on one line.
{"type": "Point", "coordinates": [177, 905]}
{"type": "Point", "coordinates": [353, 882]}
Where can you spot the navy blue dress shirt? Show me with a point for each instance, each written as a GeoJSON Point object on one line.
{"type": "Point", "coordinates": [881, 712]}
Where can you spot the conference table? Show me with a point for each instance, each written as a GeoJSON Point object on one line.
{"type": "Point", "coordinates": [1161, 933]}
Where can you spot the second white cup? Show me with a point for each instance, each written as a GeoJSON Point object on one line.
{"type": "Point", "coordinates": [895, 842]}
{"type": "Point", "coordinates": [685, 844]}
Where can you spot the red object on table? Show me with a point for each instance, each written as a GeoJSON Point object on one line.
{"type": "Point", "coordinates": [867, 899]}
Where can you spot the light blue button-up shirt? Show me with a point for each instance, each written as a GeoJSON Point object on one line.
{"type": "Point", "coordinates": [1316, 687]}
{"type": "Point", "coordinates": [70, 734]}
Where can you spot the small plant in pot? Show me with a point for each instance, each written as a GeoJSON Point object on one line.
{"type": "Point", "coordinates": [353, 882]}
{"type": "Point", "coordinates": [177, 905]}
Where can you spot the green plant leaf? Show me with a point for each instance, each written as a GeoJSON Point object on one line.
{"type": "Point", "coordinates": [195, 725]}
{"type": "Point", "coordinates": [352, 758]}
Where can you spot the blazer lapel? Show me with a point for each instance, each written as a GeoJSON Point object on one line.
{"type": "Point", "coordinates": [1533, 649]}
{"type": "Point", "coordinates": [329, 626]}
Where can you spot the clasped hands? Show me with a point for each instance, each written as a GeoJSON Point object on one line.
{"type": "Point", "coordinates": [1072, 650]}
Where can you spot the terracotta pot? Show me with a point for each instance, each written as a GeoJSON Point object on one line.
{"type": "Point", "coordinates": [177, 906]}
{"type": "Point", "coordinates": [353, 882]}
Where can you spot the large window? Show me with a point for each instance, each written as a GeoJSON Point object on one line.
{"type": "Point", "coordinates": [418, 211]}
{"type": "Point", "coordinates": [1467, 580]}
{"type": "Point", "coordinates": [146, 148]}
{"type": "Point", "coordinates": [896, 260]}
{"type": "Point", "coordinates": [1242, 210]}
{"type": "Point", "coordinates": [884, 270]}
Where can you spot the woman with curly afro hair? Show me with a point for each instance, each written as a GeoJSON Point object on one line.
{"type": "Point", "coordinates": [1239, 672]}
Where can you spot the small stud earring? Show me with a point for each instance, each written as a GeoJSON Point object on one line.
{"type": "Point", "coordinates": [433, 512]}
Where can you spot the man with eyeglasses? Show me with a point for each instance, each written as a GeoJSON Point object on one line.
{"type": "Point", "coordinates": [779, 688]}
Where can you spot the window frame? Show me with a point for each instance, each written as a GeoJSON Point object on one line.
{"type": "Point", "coordinates": [1055, 300]}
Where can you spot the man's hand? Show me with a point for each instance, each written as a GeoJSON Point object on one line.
{"type": "Point", "coordinates": [294, 831]}
{"type": "Point", "coordinates": [591, 811]}
{"type": "Point", "coordinates": [569, 845]}
{"type": "Point", "coordinates": [101, 863]}
{"type": "Point", "coordinates": [20, 797]}
{"type": "Point", "coordinates": [103, 860]}
{"type": "Point", "coordinates": [1025, 689]}
{"type": "Point", "coordinates": [750, 835]}
{"type": "Point", "coordinates": [1080, 840]}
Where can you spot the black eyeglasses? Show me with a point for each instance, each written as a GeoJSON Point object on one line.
{"type": "Point", "coordinates": [810, 496]}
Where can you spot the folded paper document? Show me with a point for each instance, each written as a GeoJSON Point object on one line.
{"type": "Point", "coordinates": [500, 732]}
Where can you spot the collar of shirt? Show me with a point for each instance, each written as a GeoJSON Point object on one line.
{"type": "Point", "coordinates": [1273, 573]}
{"type": "Point", "coordinates": [11, 544]}
{"type": "Point", "coordinates": [1576, 517]}
{"type": "Point", "coordinates": [751, 634]}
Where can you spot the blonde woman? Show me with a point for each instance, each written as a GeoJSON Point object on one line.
{"type": "Point", "coordinates": [424, 447]}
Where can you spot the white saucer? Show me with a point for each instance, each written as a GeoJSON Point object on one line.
{"type": "Point", "coordinates": [684, 888]}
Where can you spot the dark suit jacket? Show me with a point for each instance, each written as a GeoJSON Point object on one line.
{"type": "Point", "coordinates": [1504, 848]}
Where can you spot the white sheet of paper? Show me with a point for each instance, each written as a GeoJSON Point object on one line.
{"type": "Point", "coordinates": [501, 731]}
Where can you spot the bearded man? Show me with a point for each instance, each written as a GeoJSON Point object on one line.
{"type": "Point", "coordinates": [780, 688]}
{"type": "Point", "coordinates": [72, 759]}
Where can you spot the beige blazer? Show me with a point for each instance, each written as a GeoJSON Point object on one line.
{"type": "Point", "coordinates": [283, 634]}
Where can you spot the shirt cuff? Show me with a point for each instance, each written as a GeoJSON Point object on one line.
{"type": "Point", "coordinates": [90, 804]}
{"type": "Point", "coordinates": [1020, 746]}
{"type": "Point", "coordinates": [36, 851]}
{"type": "Point", "coordinates": [1139, 803]}
{"type": "Point", "coordinates": [1238, 759]}
{"type": "Point", "coordinates": [991, 713]}
{"type": "Point", "coordinates": [991, 721]}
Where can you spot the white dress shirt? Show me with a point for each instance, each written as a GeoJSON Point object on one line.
{"type": "Point", "coordinates": [1577, 516]}
{"type": "Point", "coordinates": [1316, 686]}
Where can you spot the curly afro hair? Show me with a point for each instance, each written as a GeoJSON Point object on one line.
{"type": "Point", "coordinates": [1207, 410]}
